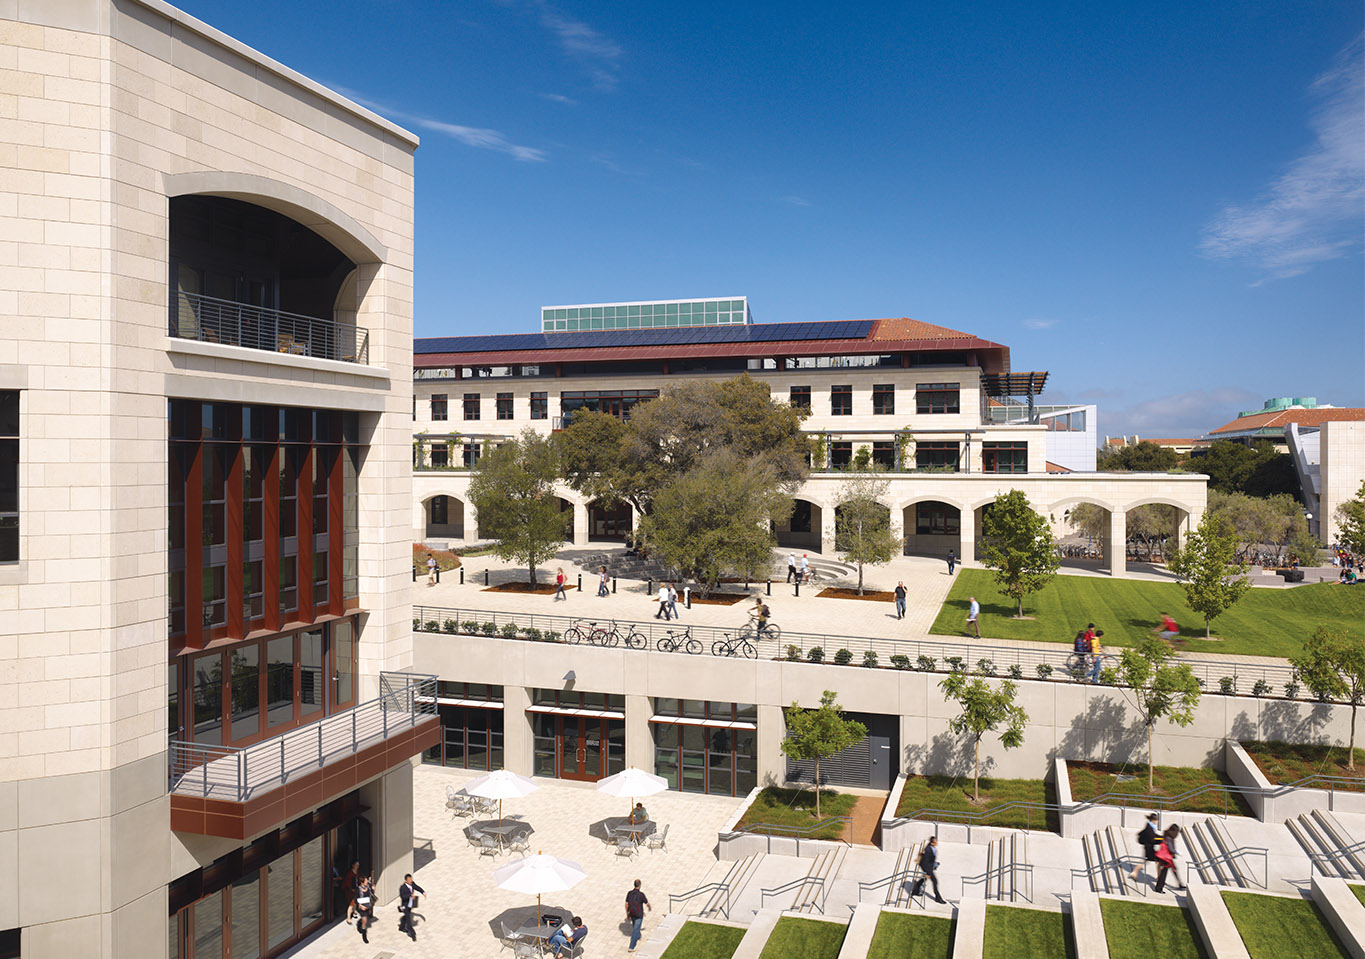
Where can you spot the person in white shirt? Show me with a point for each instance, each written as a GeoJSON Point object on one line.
{"type": "Point", "coordinates": [663, 602]}
{"type": "Point", "coordinates": [791, 567]}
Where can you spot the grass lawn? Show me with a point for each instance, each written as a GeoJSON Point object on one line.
{"type": "Point", "coordinates": [1017, 933]}
{"type": "Point", "coordinates": [954, 793]}
{"type": "Point", "coordinates": [775, 807]}
{"type": "Point", "coordinates": [703, 940]}
{"type": "Point", "coordinates": [1137, 930]}
{"type": "Point", "coordinates": [1359, 890]}
{"type": "Point", "coordinates": [1287, 763]}
{"type": "Point", "coordinates": [1266, 622]}
{"type": "Point", "coordinates": [902, 936]}
{"type": "Point", "coordinates": [1089, 780]}
{"type": "Point", "coordinates": [804, 939]}
{"type": "Point", "coordinates": [1272, 926]}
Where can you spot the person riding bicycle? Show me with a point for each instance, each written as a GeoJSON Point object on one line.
{"type": "Point", "coordinates": [759, 617]}
{"type": "Point", "coordinates": [1168, 630]}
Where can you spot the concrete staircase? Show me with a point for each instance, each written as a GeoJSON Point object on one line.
{"type": "Point", "coordinates": [1329, 846]}
{"type": "Point", "coordinates": [1216, 859]}
{"type": "Point", "coordinates": [809, 892]}
{"type": "Point", "coordinates": [1104, 863]}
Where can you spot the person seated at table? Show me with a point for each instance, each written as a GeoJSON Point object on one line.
{"type": "Point", "coordinates": [638, 814]}
{"type": "Point", "coordinates": [566, 938]}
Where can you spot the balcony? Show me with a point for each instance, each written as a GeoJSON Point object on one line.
{"type": "Point", "coordinates": [209, 319]}
{"type": "Point", "coordinates": [238, 792]}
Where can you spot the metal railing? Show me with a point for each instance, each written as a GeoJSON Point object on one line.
{"type": "Point", "coordinates": [213, 320]}
{"type": "Point", "coordinates": [711, 887]}
{"type": "Point", "coordinates": [1006, 662]}
{"type": "Point", "coordinates": [799, 832]}
{"type": "Point", "coordinates": [235, 774]}
{"type": "Point", "coordinates": [797, 886]}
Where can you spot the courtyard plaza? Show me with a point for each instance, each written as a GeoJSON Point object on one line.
{"type": "Point", "coordinates": [926, 581]}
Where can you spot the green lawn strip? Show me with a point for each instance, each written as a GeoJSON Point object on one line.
{"type": "Point", "coordinates": [1269, 924]}
{"type": "Point", "coordinates": [804, 939]}
{"type": "Point", "coordinates": [1016, 933]}
{"type": "Point", "coordinates": [775, 807]}
{"type": "Point", "coordinates": [902, 936]}
{"type": "Point", "coordinates": [1266, 622]}
{"type": "Point", "coordinates": [1285, 763]}
{"type": "Point", "coordinates": [1136, 930]}
{"type": "Point", "coordinates": [1089, 780]}
{"type": "Point", "coordinates": [1359, 890]}
{"type": "Point", "coordinates": [703, 940]}
{"type": "Point", "coordinates": [954, 794]}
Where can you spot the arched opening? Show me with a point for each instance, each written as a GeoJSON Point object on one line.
{"type": "Point", "coordinates": [609, 524]}
{"type": "Point", "coordinates": [801, 530]}
{"type": "Point", "coordinates": [1086, 536]}
{"type": "Point", "coordinates": [932, 527]}
{"type": "Point", "coordinates": [566, 511]}
{"type": "Point", "coordinates": [1153, 531]}
{"type": "Point", "coordinates": [443, 517]}
{"type": "Point", "coordinates": [244, 275]}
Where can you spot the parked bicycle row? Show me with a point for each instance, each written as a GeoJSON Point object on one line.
{"type": "Point", "coordinates": [742, 642]}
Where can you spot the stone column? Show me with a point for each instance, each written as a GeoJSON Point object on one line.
{"type": "Point", "coordinates": [772, 729]}
{"type": "Point", "coordinates": [580, 524]}
{"type": "Point", "coordinates": [1115, 543]}
{"type": "Point", "coordinates": [517, 745]}
{"type": "Point", "coordinates": [966, 554]}
{"type": "Point", "coordinates": [898, 528]}
{"type": "Point", "coordinates": [639, 739]}
{"type": "Point", "coordinates": [827, 530]}
{"type": "Point", "coordinates": [389, 799]}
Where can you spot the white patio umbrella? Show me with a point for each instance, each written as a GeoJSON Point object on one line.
{"type": "Point", "coordinates": [500, 784]}
{"type": "Point", "coordinates": [633, 783]}
{"type": "Point", "coordinates": [539, 874]}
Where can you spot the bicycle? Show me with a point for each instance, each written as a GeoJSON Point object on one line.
{"type": "Point", "coordinates": [676, 639]}
{"type": "Point", "coordinates": [1079, 665]}
{"type": "Point", "coordinates": [751, 631]}
{"type": "Point", "coordinates": [738, 646]}
{"type": "Point", "coordinates": [634, 639]}
{"type": "Point", "coordinates": [576, 633]}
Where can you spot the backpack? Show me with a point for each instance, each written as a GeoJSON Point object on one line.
{"type": "Point", "coordinates": [763, 611]}
{"type": "Point", "coordinates": [1081, 645]}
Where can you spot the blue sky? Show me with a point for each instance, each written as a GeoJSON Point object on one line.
{"type": "Point", "coordinates": [1163, 205]}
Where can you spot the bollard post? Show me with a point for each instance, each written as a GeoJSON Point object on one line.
{"type": "Point", "coordinates": [798, 587]}
{"type": "Point", "coordinates": [649, 586]}
{"type": "Point", "coordinates": [461, 575]}
{"type": "Point", "coordinates": [485, 577]}
{"type": "Point", "coordinates": [687, 596]}
{"type": "Point", "coordinates": [580, 582]}
{"type": "Point", "coordinates": [770, 587]}
{"type": "Point", "coordinates": [613, 585]}
{"type": "Point", "coordinates": [438, 576]}
{"type": "Point", "coordinates": [414, 572]}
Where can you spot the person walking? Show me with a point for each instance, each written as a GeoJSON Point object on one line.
{"type": "Point", "coordinates": [672, 601]}
{"type": "Point", "coordinates": [805, 568]}
{"type": "Point", "coordinates": [791, 567]}
{"type": "Point", "coordinates": [1096, 655]}
{"type": "Point", "coordinates": [974, 615]}
{"type": "Point", "coordinates": [636, 904]}
{"type": "Point", "coordinates": [602, 583]}
{"type": "Point", "coordinates": [431, 570]}
{"type": "Point", "coordinates": [928, 864]}
{"type": "Point", "coordinates": [1165, 857]}
{"type": "Point", "coordinates": [1147, 840]}
{"type": "Point", "coordinates": [364, 908]}
{"type": "Point", "coordinates": [407, 902]}
{"type": "Point", "coordinates": [900, 600]}
{"type": "Point", "coordinates": [559, 586]}
{"type": "Point", "coordinates": [952, 561]}
{"type": "Point", "coordinates": [663, 603]}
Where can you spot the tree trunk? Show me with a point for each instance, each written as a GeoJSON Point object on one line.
{"type": "Point", "coordinates": [1151, 760]}
{"type": "Point", "coordinates": [1020, 613]}
{"type": "Point", "coordinates": [976, 772]}
{"type": "Point", "coordinates": [860, 579]}
{"type": "Point", "coordinates": [1208, 628]}
{"type": "Point", "coordinates": [1351, 754]}
{"type": "Point", "coordinates": [817, 787]}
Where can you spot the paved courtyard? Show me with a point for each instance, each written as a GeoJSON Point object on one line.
{"type": "Point", "coordinates": [462, 900]}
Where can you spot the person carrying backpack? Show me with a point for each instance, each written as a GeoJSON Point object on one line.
{"type": "Point", "coordinates": [1147, 840]}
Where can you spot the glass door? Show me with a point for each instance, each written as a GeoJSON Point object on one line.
{"type": "Point", "coordinates": [343, 665]}
{"type": "Point", "coordinates": [571, 748]}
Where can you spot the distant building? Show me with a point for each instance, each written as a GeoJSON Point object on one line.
{"type": "Point", "coordinates": [1182, 446]}
{"type": "Point", "coordinates": [1330, 461]}
{"type": "Point", "coordinates": [1269, 422]}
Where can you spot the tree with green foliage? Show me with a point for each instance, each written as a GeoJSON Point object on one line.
{"type": "Point", "coordinates": [862, 525]}
{"type": "Point", "coordinates": [716, 519]}
{"type": "Point", "coordinates": [984, 710]}
{"type": "Point", "coordinates": [634, 461]}
{"type": "Point", "coordinates": [1256, 470]}
{"type": "Point", "coordinates": [1266, 524]}
{"type": "Point", "coordinates": [1150, 524]}
{"type": "Point", "coordinates": [1332, 665]}
{"type": "Point", "coordinates": [513, 491]}
{"type": "Point", "coordinates": [820, 733]}
{"type": "Point", "coordinates": [1018, 544]}
{"type": "Point", "coordinates": [1350, 517]}
{"type": "Point", "coordinates": [1162, 687]}
{"type": "Point", "coordinates": [1142, 457]}
{"type": "Point", "coordinates": [1207, 569]}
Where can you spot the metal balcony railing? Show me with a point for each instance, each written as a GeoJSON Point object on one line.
{"type": "Point", "coordinates": [236, 774]}
{"type": "Point", "coordinates": [213, 320]}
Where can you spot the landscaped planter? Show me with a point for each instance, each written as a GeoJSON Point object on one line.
{"type": "Point", "coordinates": [1277, 802]}
{"type": "Point", "coordinates": [732, 844]}
{"type": "Point", "coordinates": [899, 832]}
{"type": "Point", "coordinates": [1081, 817]}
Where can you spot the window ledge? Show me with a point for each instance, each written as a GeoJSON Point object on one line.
{"type": "Point", "coordinates": [223, 351]}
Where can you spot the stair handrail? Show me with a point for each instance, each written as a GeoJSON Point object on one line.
{"type": "Point", "coordinates": [795, 884]}
{"type": "Point", "coordinates": [693, 893]}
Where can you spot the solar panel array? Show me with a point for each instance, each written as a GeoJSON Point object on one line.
{"type": "Point", "coordinates": [671, 336]}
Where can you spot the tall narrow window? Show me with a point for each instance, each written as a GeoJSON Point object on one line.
{"type": "Point", "coordinates": [800, 396]}
{"type": "Point", "coordinates": [884, 399]}
{"type": "Point", "coordinates": [9, 476]}
{"type": "Point", "coordinates": [438, 406]}
{"type": "Point", "coordinates": [504, 406]}
{"type": "Point", "coordinates": [841, 400]}
{"type": "Point", "coordinates": [540, 406]}
{"type": "Point", "coordinates": [471, 406]}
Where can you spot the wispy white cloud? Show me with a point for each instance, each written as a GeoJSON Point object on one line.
{"type": "Point", "coordinates": [793, 200]}
{"type": "Point", "coordinates": [594, 52]}
{"type": "Point", "coordinates": [1192, 413]}
{"type": "Point", "coordinates": [560, 98]}
{"type": "Point", "coordinates": [608, 161]}
{"type": "Point", "coordinates": [480, 138]}
{"type": "Point", "coordinates": [1038, 323]}
{"type": "Point", "coordinates": [1312, 212]}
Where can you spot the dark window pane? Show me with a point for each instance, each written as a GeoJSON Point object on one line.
{"type": "Point", "coordinates": [246, 691]}
{"type": "Point", "coordinates": [279, 680]}
{"type": "Point", "coordinates": [246, 917]}
{"type": "Point", "coordinates": [310, 672]}
{"type": "Point", "coordinates": [208, 927]}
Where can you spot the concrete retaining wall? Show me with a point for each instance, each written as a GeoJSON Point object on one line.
{"type": "Point", "coordinates": [1343, 911]}
{"type": "Point", "coordinates": [1273, 803]}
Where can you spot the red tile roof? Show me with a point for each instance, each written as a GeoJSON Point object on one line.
{"type": "Point", "coordinates": [1271, 419]}
{"type": "Point", "coordinates": [904, 328]}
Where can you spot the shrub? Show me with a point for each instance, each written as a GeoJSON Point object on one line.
{"type": "Point", "coordinates": [870, 659]}
{"type": "Point", "coordinates": [793, 654]}
{"type": "Point", "coordinates": [900, 662]}
{"type": "Point", "coordinates": [550, 636]}
{"type": "Point", "coordinates": [509, 630]}
{"type": "Point", "coordinates": [488, 629]}
{"type": "Point", "coordinates": [1109, 677]}
{"type": "Point", "coordinates": [431, 626]}
{"type": "Point", "coordinates": [926, 663]}
{"type": "Point", "coordinates": [843, 657]}
{"type": "Point", "coordinates": [1044, 670]}
{"type": "Point", "coordinates": [1016, 671]}
{"type": "Point", "coordinates": [533, 634]}
{"type": "Point", "coordinates": [956, 664]}
{"type": "Point", "coordinates": [815, 655]}
{"type": "Point", "coordinates": [1227, 685]}
{"type": "Point", "coordinates": [1291, 690]}
{"type": "Point", "coordinates": [1260, 688]}
{"type": "Point", "coordinates": [985, 667]}
{"type": "Point", "coordinates": [416, 625]}
{"type": "Point", "coordinates": [451, 626]}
